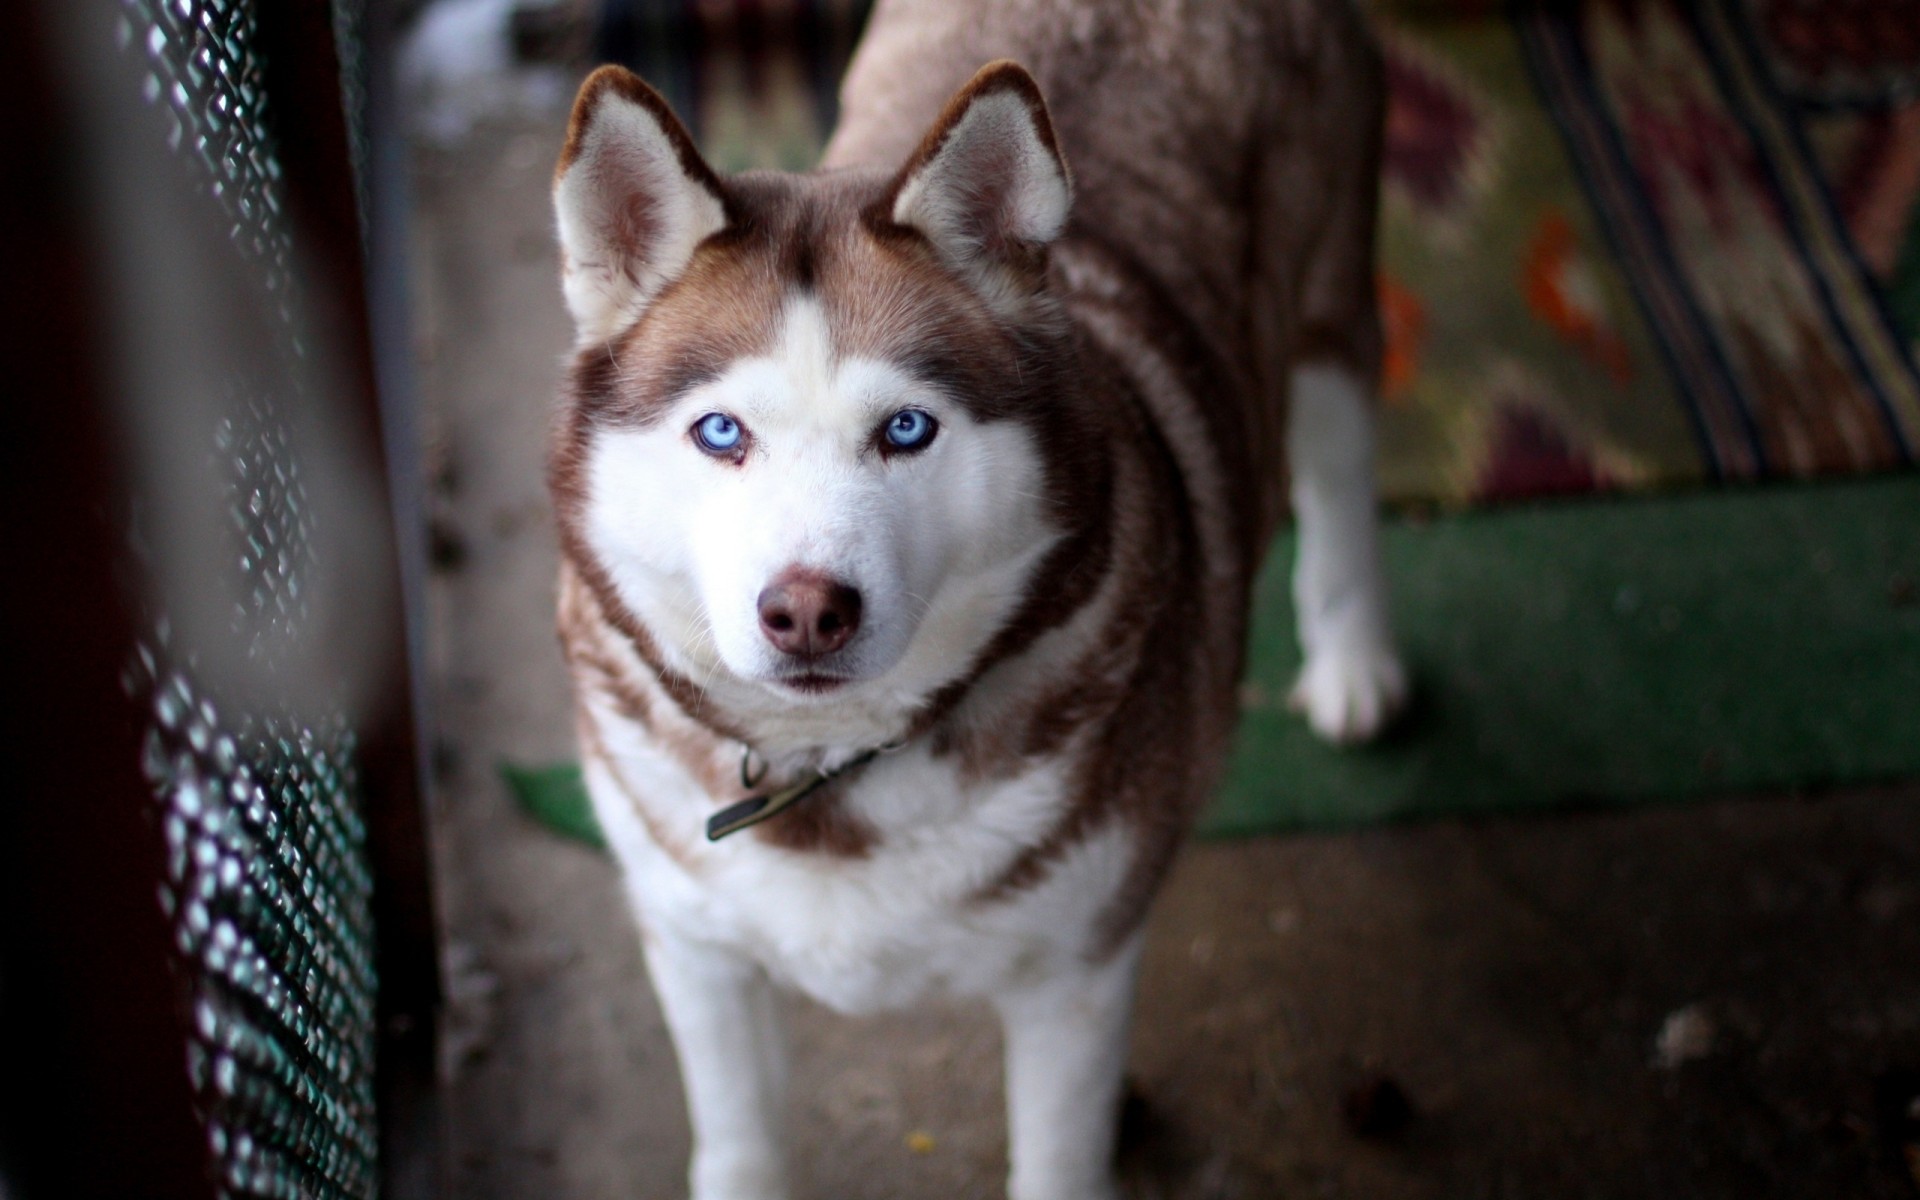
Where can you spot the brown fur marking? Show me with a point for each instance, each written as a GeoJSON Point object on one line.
{"type": "Point", "coordinates": [820, 824]}
{"type": "Point", "coordinates": [594, 749]}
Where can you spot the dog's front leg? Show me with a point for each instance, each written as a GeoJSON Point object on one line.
{"type": "Point", "coordinates": [720, 1010]}
{"type": "Point", "coordinates": [1066, 1040]}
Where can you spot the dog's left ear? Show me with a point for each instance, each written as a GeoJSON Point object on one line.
{"type": "Point", "coordinates": [987, 185]}
{"type": "Point", "coordinates": [633, 198]}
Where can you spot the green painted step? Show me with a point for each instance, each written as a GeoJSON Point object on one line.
{"type": "Point", "coordinates": [1614, 652]}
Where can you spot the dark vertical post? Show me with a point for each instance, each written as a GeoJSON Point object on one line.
{"type": "Point", "coordinates": [94, 1100]}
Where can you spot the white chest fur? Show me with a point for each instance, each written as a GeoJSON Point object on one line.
{"type": "Point", "coordinates": [877, 930]}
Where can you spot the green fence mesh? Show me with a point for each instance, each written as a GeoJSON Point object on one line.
{"type": "Point", "coordinates": [267, 880]}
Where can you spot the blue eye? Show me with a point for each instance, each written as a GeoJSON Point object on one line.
{"type": "Point", "coordinates": [717, 433]}
{"type": "Point", "coordinates": [910, 429]}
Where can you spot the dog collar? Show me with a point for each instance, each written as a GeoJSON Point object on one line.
{"type": "Point", "coordinates": [755, 809]}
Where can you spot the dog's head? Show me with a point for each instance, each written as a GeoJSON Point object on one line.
{"type": "Point", "coordinates": [821, 434]}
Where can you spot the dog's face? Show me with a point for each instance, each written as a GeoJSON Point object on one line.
{"type": "Point", "coordinates": [813, 448]}
{"type": "Point", "coordinates": [808, 515]}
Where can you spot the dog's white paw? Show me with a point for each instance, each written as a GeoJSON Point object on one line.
{"type": "Point", "coordinates": [745, 1191]}
{"type": "Point", "coordinates": [1351, 692]}
{"type": "Point", "coordinates": [1104, 1189]}
{"type": "Point", "coordinates": [718, 1177]}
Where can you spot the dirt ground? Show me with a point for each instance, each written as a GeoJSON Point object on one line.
{"type": "Point", "coordinates": [1721, 1001]}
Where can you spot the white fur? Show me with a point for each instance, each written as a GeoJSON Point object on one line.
{"type": "Point", "coordinates": [877, 932]}
{"type": "Point", "coordinates": [1066, 1043]}
{"type": "Point", "coordinates": [1352, 682]}
{"type": "Point", "coordinates": [720, 1010]}
{"type": "Point", "coordinates": [625, 158]}
{"type": "Point", "coordinates": [939, 543]}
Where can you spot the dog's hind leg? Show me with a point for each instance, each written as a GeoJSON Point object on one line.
{"type": "Point", "coordinates": [1351, 682]}
{"type": "Point", "coordinates": [1066, 1040]}
{"type": "Point", "coordinates": [720, 1011]}
{"type": "Point", "coordinates": [1318, 325]}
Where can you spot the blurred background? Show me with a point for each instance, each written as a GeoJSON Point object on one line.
{"type": "Point", "coordinates": [299, 895]}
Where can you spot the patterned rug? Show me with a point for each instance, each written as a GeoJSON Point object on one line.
{"type": "Point", "coordinates": [1627, 244]}
{"type": "Point", "coordinates": [1640, 243]}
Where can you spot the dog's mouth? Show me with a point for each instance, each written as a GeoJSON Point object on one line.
{"type": "Point", "coordinates": [812, 683]}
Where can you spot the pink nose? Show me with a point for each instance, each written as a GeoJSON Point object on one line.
{"type": "Point", "coordinates": [807, 614]}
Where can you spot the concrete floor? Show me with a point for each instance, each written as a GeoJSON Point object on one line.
{"type": "Point", "coordinates": [1696, 1003]}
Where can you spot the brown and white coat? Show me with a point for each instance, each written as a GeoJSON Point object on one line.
{"type": "Point", "coordinates": [1044, 600]}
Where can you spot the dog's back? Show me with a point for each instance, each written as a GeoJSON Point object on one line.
{"type": "Point", "coordinates": [1226, 153]}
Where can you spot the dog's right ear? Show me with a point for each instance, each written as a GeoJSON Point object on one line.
{"type": "Point", "coordinates": [633, 198]}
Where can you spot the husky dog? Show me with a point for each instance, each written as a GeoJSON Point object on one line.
{"type": "Point", "coordinates": [910, 509]}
